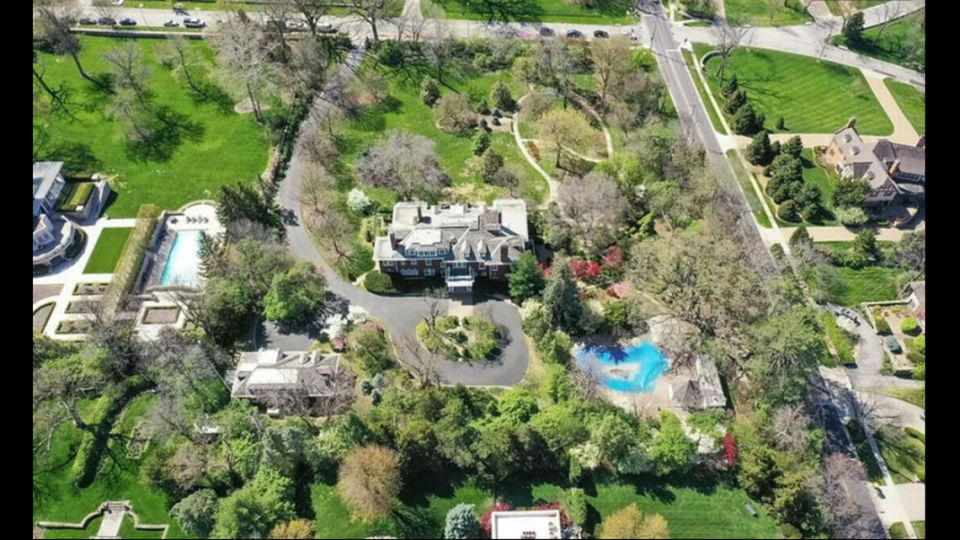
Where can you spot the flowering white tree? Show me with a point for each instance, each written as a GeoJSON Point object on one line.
{"type": "Point", "coordinates": [357, 315]}
{"type": "Point", "coordinates": [588, 454]}
{"type": "Point", "coordinates": [358, 201]}
{"type": "Point", "coordinates": [335, 326]}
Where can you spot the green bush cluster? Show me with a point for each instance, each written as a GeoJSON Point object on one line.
{"type": "Point", "coordinates": [883, 327]}
{"type": "Point", "coordinates": [909, 325]}
{"type": "Point", "coordinates": [379, 283]}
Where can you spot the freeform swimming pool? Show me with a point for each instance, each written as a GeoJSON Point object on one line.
{"type": "Point", "coordinates": [634, 369]}
{"type": "Point", "coordinates": [184, 260]}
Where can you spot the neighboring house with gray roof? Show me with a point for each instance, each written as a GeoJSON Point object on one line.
{"type": "Point", "coordinates": [459, 242]}
{"type": "Point", "coordinates": [261, 375]}
{"type": "Point", "coordinates": [893, 170]}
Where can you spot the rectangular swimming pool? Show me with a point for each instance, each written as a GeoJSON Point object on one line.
{"type": "Point", "coordinates": [183, 263]}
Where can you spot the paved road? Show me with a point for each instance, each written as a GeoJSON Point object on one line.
{"type": "Point", "coordinates": [896, 411]}
{"type": "Point", "coordinates": [400, 314]}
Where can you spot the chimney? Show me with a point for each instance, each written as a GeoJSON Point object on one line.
{"type": "Point", "coordinates": [393, 240]}
{"type": "Point", "coordinates": [852, 122]}
{"type": "Point", "coordinates": [894, 168]}
{"type": "Point", "coordinates": [419, 214]}
{"type": "Point", "coordinates": [503, 252]}
{"type": "Point", "coordinates": [922, 142]}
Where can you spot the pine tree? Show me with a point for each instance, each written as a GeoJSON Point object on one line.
{"type": "Point", "coordinates": [735, 101]}
{"type": "Point", "coordinates": [481, 141]}
{"type": "Point", "coordinates": [781, 125]}
{"type": "Point", "coordinates": [526, 279]}
{"type": "Point", "coordinates": [759, 152]}
{"type": "Point", "coordinates": [853, 30]}
{"type": "Point", "coordinates": [561, 298]}
{"type": "Point", "coordinates": [730, 86]}
{"type": "Point", "coordinates": [793, 147]}
{"type": "Point", "coordinates": [745, 121]}
{"type": "Point", "coordinates": [462, 522]}
{"type": "Point", "coordinates": [429, 91]}
{"type": "Point", "coordinates": [500, 95]}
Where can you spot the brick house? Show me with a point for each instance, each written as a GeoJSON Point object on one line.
{"type": "Point", "coordinates": [456, 241]}
{"type": "Point", "coordinates": [893, 170]}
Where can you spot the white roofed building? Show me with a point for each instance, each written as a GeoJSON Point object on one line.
{"type": "Point", "coordinates": [306, 375]}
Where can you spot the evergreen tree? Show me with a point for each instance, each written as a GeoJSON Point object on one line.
{"type": "Point", "coordinates": [787, 210]}
{"type": "Point", "coordinates": [853, 29]}
{"type": "Point", "coordinates": [500, 96]}
{"type": "Point", "coordinates": [781, 125]}
{"type": "Point", "coordinates": [800, 237]}
{"type": "Point", "coordinates": [429, 91]}
{"type": "Point", "coordinates": [490, 163]}
{"type": "Point", "coordinates": [730, 86]}
{"type": "Point", "coordinates": [526, 279]}
{"type": "Point", "coordinates": [462, 522]}
{"type": "Point", "coordinates": [793, 147]}
{"type": "Point", "coordinates": [745, 121]}
{"type": "Point", "coordinates": [759, 152]}
{"type": "Point", "coordinates": [561, 298]}
{"type": "Point", "coordinates": [481, 141]}
{"type": "Point", "coordinates": [735, 100]}
{"type": "Point", "coordinates": [775, 150]}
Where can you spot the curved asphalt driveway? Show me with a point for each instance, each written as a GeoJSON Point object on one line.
{"type": "Point", "coordinates": [400, 314]}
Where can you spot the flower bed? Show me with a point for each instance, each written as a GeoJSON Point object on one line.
{"type": "Point", "coordinates": [469, 339]}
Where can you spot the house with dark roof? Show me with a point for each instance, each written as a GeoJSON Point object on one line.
{"type": "Point", "coordinates": [460, 242]}
{"type": "Point", "coordinates": [262, 375]}
{"type": "Point", "coordinates": [894, 171]}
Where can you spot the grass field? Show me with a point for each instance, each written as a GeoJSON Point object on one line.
{"type": "Point", "coordinates": [211, 147]}
{"type": "Point", "coordinates": [692, 510]}
{"type": "Point", "coordinates": [603, 12]}
{"type": "Point", "coordinates": [870, 284]}
{"type": "Point", "coordinates": [754, 13]}
{"type": "Point", "coordinates": [74, 194]}
{"type": "Point", "coordinates": [890, 46]}
{"type": "Point", "coordinates": [916, 396]}
{"type": "Point", "coordinates": [107, 252]}
{"type": "Point", "coordinates": [851, 5]}
{"type": "Point", "coordinates": [912, 101]}
{"type": "Point", "coordinates": [707, 104]}
{"type": "Point", "coordinates": [903, 454]}
{"type": "Point", "coordinates": [842, 341]}
{"type": "Point", "coordinates": [744, 178]}
{"type": "Point", "coordinates": [405, 111]}
{"type": "Point", "coordinates": [811, 96]}
{"type": "Point", "coordinates": [61, 501]}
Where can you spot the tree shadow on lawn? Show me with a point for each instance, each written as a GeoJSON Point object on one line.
{"type": "Point", "coordinates": [213, 94]}
{"type": "Point", "coordinates": [504, 10]}
{"type": "Point", "coordinates": [77, 157]}
{"type": "Point", "coordinates": [170, 130]}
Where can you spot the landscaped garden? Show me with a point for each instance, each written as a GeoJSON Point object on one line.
{"type": "Point", "coordinates": [811, 96]}
{"type": "Point", "coordinates": [107, 252]}
{"type": "Point", "coordinates": [468, 339]}
{"type": "Point", "coordinates": [207, 145]}
{"type": "Point", "coordinates": [901, 42]}
{"type": "Point", "coordinates": [758, 12]}
{"type": "Point", "coordinates": [604, 12]}
{"type": "Point", "coordinates": [912, 101]}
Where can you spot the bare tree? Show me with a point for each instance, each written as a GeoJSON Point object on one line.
{"type": "Point", "coordinates": [176, 52]}
{"type": "Point", "coordinates": [54, 21]}
{"type": "Point", "coordinates": [105, 8]}
{"type": "Point", "coordinates": [611, 60]}
{"type": "Point", "coordinates": [277, 15]}
{"type": "Point", "coordinates": [890, 11]}
{"type": "Point", "coordinates": [369, 481]}
{"type": "Point", "coordinates": [873, 412]}
{"type": "Point", "coordinates": [421, 363]}
{"type": "Point", "coordinates": [127, 67]}
{"type": "Point", "coordinates": [128, 110]}
{"type": "Point", "coordinates": [306, 68]}
{"type": "Point", "coordinates": [405, 162]}
{"type": "Point", "coordinates": [311, 10]}
{"type": "Point", "coordinates": [790, 426]}
{"type": "Point", "coordinates": [587, 378]}
{"type": "Point", "coordinates": [729, 34]}
{"type": "Point", "coordinates": [58, 96]}
{"type": "Point", "coordinates": [374, 12]}
{"type": "Point", "coordinates": [842, 478]}
{"type": "Point", "coordinates": [593, 208]}
{"type": "Point", "coordinates": [454, 112]}
{"type": "Point", "coordinates": [244, 52]}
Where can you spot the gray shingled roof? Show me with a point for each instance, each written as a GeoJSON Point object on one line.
{"type": "Point", "coordinates": [913, 160]}
{"type": "Point", "coordinates": [308, 373]}
{"type": "Point", "coordinates": [920, 290]}
{"type": "Point", "coordinates": [860, 158]}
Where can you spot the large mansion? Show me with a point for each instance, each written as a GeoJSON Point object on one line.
{"type": "Point", "coordinates": [459, 242]}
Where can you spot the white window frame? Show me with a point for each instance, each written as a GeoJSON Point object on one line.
{"type": "Point", "coordinates": [429, 272]}
{"type": "Point", "coordinates": [459, 264]}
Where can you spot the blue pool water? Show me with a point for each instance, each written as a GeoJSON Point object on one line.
{"type": "Point", "coordinates": [631, 379]}
{"type": "Point", "coordinates": [183, 261]}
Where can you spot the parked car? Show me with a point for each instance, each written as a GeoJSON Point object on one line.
{"type": "Point", "coordinates": [296, 24]}
{"type": "Point", "coordinates": [600, 34]}
{"type": "Point", "coordinates": [127, 21]}
{"type": "Point", "coordinates": [574, 33]}
{"type": "Point", "coordinates": [170, 22]}
{"type": "Point", "coordinates": [106, 21]}
{"type": "Point", "coordinates": [544, 31]}
{"type": "Point", "coordinates": [326, 29]}
{"type": "Point", "coordinates": [193, 23]}
{"type": "Point", "coordinates": [88, 20]}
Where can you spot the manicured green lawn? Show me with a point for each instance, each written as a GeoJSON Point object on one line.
{"type": "Point", "coordinates": [603, 11]}
{"type": "Point", "coordinates": [916, 396]}
{"type": "Point", "coordinates": [754, 13]}
{"type": "Point", "coordinates": [61, 501]}
{"type": "Point", "coordinates": [912, 101]}
{"type": "Point", "coordinates": [692, 509]}
{"type": "Point", "coordinates": [920, 527]}
{"type": "Point", "coordinates": [224, 146]}
{"type": "Point", "coordinates": [707, 104]}
{"type": "Point", "coordinates": [897, 531]}
{"type": "Point", "coordinates": [835, 9]}
{"type": "Point", "coordinates": [812, 97]}
{"type": "Point", "coordinates": [903, 454]}
{"type": "Point", "coordinates": [744, 178]}
{"type": "Point", "coordinates": [842, 341]}
{"type": "Point", "coordinates": [127, 530]}
{"type": "Point", "coordinates": [871, 284]}
{"type": "Point", "coordinates": [405, 111]}
{"type": "Point", "coordinates": [890, 46]}
{"type": "Point", "coordinates": [700, 24]}
{"type": "Point", "coordinates": [107, 252]}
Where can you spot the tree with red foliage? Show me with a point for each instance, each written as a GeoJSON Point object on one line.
{"type": "Point", "coordinates": [564, 518]}
{"type": "Point", "coordinates": [613, 257]}
{"type": "Point", "coordinates": [546, 271]}
{"type": "Point", "coordinates": [585, 269]}
{"type": "Point", "coordinates": [485, 520]}
{"type": "Point", "coordinates": [730, 450]}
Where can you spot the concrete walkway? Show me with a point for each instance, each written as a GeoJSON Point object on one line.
{"type": "Point", "coordinates": [903, 131]}
{"type": "Point", "coordinates": [904, 415]}
{"type": "Point", "coordinates": [819, 11]}
{"type": "Point", "coordinates": [553, 184]}
{"type": "Point", "coordinates": [843, 234]}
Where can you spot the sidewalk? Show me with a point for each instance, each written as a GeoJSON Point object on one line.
{"type": "Point", "coordinates": [843, 234]}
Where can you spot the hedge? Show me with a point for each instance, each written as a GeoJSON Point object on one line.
{"type": "Point", "coordinates": [916, 434]}
{"type": "Point", "coordinates": [74, 194]}
{"type": "Point", "coordinates": [131, 259]}
{"type": "Point", "coordinates": [113, 400]}
{"type": "Point", "coordinates": [883, 327]}
{"type": "Point", "coordinates": [379, 283]}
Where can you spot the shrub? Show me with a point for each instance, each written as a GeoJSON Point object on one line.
{"type": "Point", "coordinates": [461, 522]}
{"type": "Point", "coordinates": [921, 344]}
{"type": "Point", "coordinates": [577, 506]}
{"type": "Point", "coordinates": [909, 325]}
{"type": "Point", "coordinates": [366, 387]}
{"type": "Point", "coordinates": [376, 397]}
{"type": "Point", "coordinates": [358, 201]}
{"type": "Point", "coordinates": [883, 327]}
{"type": "Point", "coordinates": [893, 344]}
{"type": "Point", "coordinates": [481, 141]}
{"type": "Point", "coordinates": [730, 86]}
{"type": "Point", "coordinates": [485, 520]}
{"type": "Point", "coordinates": [922, 474]}
{"type": "Point", "coordinates": [379, 283]}
{"type": "Point", "coordinates": [775, 149]}
{"type": "Point", "coordinates": [429, 91]}
{"type": "Point", "coordinates": [734, 101]}
{"type": "Point", "coordinates": [916, 434]}
{"type": "Point", "coordinates": [787, 211]}
{"type": "Point", "coordinates": [496, 121]}
{"type": "Point", "coordinates": [534, 151]}
{"type": "Point", "coordinates": [447, 323]}
{"type": "Point", "coordinates": [851, 216]}
{"type": "Point", "coordinates": [780, 124]}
